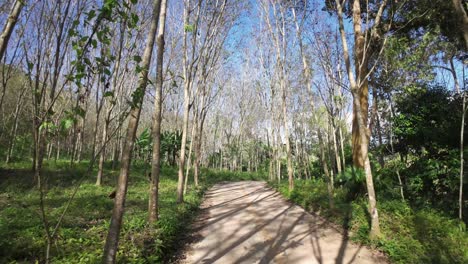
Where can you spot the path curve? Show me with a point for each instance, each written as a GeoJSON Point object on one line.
{"type": "Point", "coordinates": [248, 222]}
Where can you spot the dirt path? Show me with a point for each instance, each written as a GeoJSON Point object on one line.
{"type": "Point", "coordinates": [248, 222]}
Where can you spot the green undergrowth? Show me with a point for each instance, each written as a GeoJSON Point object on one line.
{"type": "Point", "coordinates": [408, 235]}
{"type": "Point", "coordinates": [84, 228]}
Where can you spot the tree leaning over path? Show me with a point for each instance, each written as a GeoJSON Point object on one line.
{"type": "Point", "coordinates": [156, 130]}
{"type": "Point", "coordinates": [112, 240]}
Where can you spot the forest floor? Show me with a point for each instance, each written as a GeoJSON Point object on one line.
{"type": "Point", "coordinates": [248, 222]}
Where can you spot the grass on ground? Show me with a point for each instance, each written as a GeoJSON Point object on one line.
{"type": "Point", "coordinates": [84, 228]}
{"type": "Point", "coordinates": [409, 235]}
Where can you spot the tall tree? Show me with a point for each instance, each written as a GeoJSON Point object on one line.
{"type": "Point", "coordinates": [156, 129]}
{"type": "Point", "coordinates": [188, 66]}
{"type": "Point", "coordinates": [278, 30]}
{"type": "Point", "coordinates": [112, 240]}
{"type": "Point", "coordinates": [359, 90]}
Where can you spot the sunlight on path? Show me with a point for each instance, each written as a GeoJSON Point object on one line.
{"type": "Point", "coordinates": [248, 222]}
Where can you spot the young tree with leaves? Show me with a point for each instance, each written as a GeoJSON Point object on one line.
{"type": "Point", "coordinates": [112, 240]}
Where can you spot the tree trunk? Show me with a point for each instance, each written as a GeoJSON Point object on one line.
{"type": "Point", "coordinates": [360, 103]}
{"type": "Point", "coordinates": [198, 150]}
{"type": "Point", "coordinates": [324, 162]}
{"type": "Point", "coordinates": [156, 130]}
{"type": "Point", "coordinates": [57, 154]}
{"type": "Point", "coordinates": [181, 179]}
{"type": "Point", "coordinates": [335, 146]}
{"type": "Point", "coordinates": [187, 84]}
{"type": "Point", "coordinates": [340, 133]}
{"type": "Point", "coordinates": [460, 197]}
{"type": "Point", "coordinates": [363, 95]}
{"type": "Point", "coordinates": [9, 26]}
{"type": "Point", "coordinates": [189, 160]}
{"type": "Point", "coordinates": [463, 19]}
{"type": "Point", "coordinates": [286, 134]}
{"type": "Point", "coordinates": [112, 240]}
{"type": "Point", "coordinates": [102, 155]}
{"type": "Point", "coordinates": [14, 129]}
{"type": "Point", "coordinates": [375, 226]}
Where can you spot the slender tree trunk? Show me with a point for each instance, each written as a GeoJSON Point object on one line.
{"type": "Point", "coordinates": [375, 123]}
{"type": "Point", "coordinates": [397, 170]}
{"type": "Point", "coordinates": [15, 127]}
{"type": "Point", "coordinates": [57, 154]}
{"type": "Point", "coordinates": [198, 150]}
{"type": "Point", "coordinates": [340, 133]}
{"type": "Point", "coordinates": [96, 129]}
{"type": "Point", "coordinates": [288, 143]}
{"type": "Point", "coordinates": [221, 157]}
{"type": "Point", "coordinates": [460, 197]}
{"type": "Point", "coordinates": [180, 191]}
{"type": "Point", "coordinates": [189, 160]}
{"type": "Point", "coordinates": [102, 155]}
{"type": "Point", "coordinates": [330, 156]}
{"type": "Point", "coordinates": [117, 149]}
{"type": "Point", "coordinates": [156, 131]}
{"type": "Point", "coordinates": [82, 135]}
{"type": "Point", "coordinates": [9, 26]}
{"type": "Point", "coordinates": [112, 240]}
{"type": "Point", "coordinates": [187, 84]}
{"type": "Point", "coordinates": [454, 74]}
{"type": "Point", "coordinates": [49, 150]}
{"type": "Point", "coordinates": [324, 162]}
{"type": "Point", "coordinates": [335, 146]}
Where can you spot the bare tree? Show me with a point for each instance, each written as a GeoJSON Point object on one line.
{"type": "Point", "coordinates": [188, 80]}
{"type": "Point", "coordinates": [156, 130]}
{"type": "Point", "coordinates": [278, 32]}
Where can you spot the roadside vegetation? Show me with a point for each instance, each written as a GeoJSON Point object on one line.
{"type": "Point", "coordinates": [117, 115]}
{"type": "Point", "coordinates": [80, 239]}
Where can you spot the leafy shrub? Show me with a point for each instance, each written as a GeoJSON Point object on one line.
{"type": "Point", "coordinates": [409, 235]}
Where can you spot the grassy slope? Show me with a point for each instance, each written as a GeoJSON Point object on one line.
{"type": "Point", "coordinates": [409, 235]}
{"type": "Point", "coordinates": [84, 228]}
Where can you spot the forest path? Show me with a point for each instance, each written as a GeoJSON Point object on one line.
{"type": "Point", "coordinates": [248, 222]}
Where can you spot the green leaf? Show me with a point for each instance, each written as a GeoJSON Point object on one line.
{"type": "Point", "coordinates": [109, 93]}
{"type": "Point", "coordinates": [79, 111]}
{"type": "Point", "coordinates": [189, 28]}
{"type": "Point", "coordinates": [67, 123]}
{"type": "Point", "coordinates": [91, 14]}
{"type": "Point", "coordinates": [137, 58]}
{"type": "Point", "coordinates": [135, 19]}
